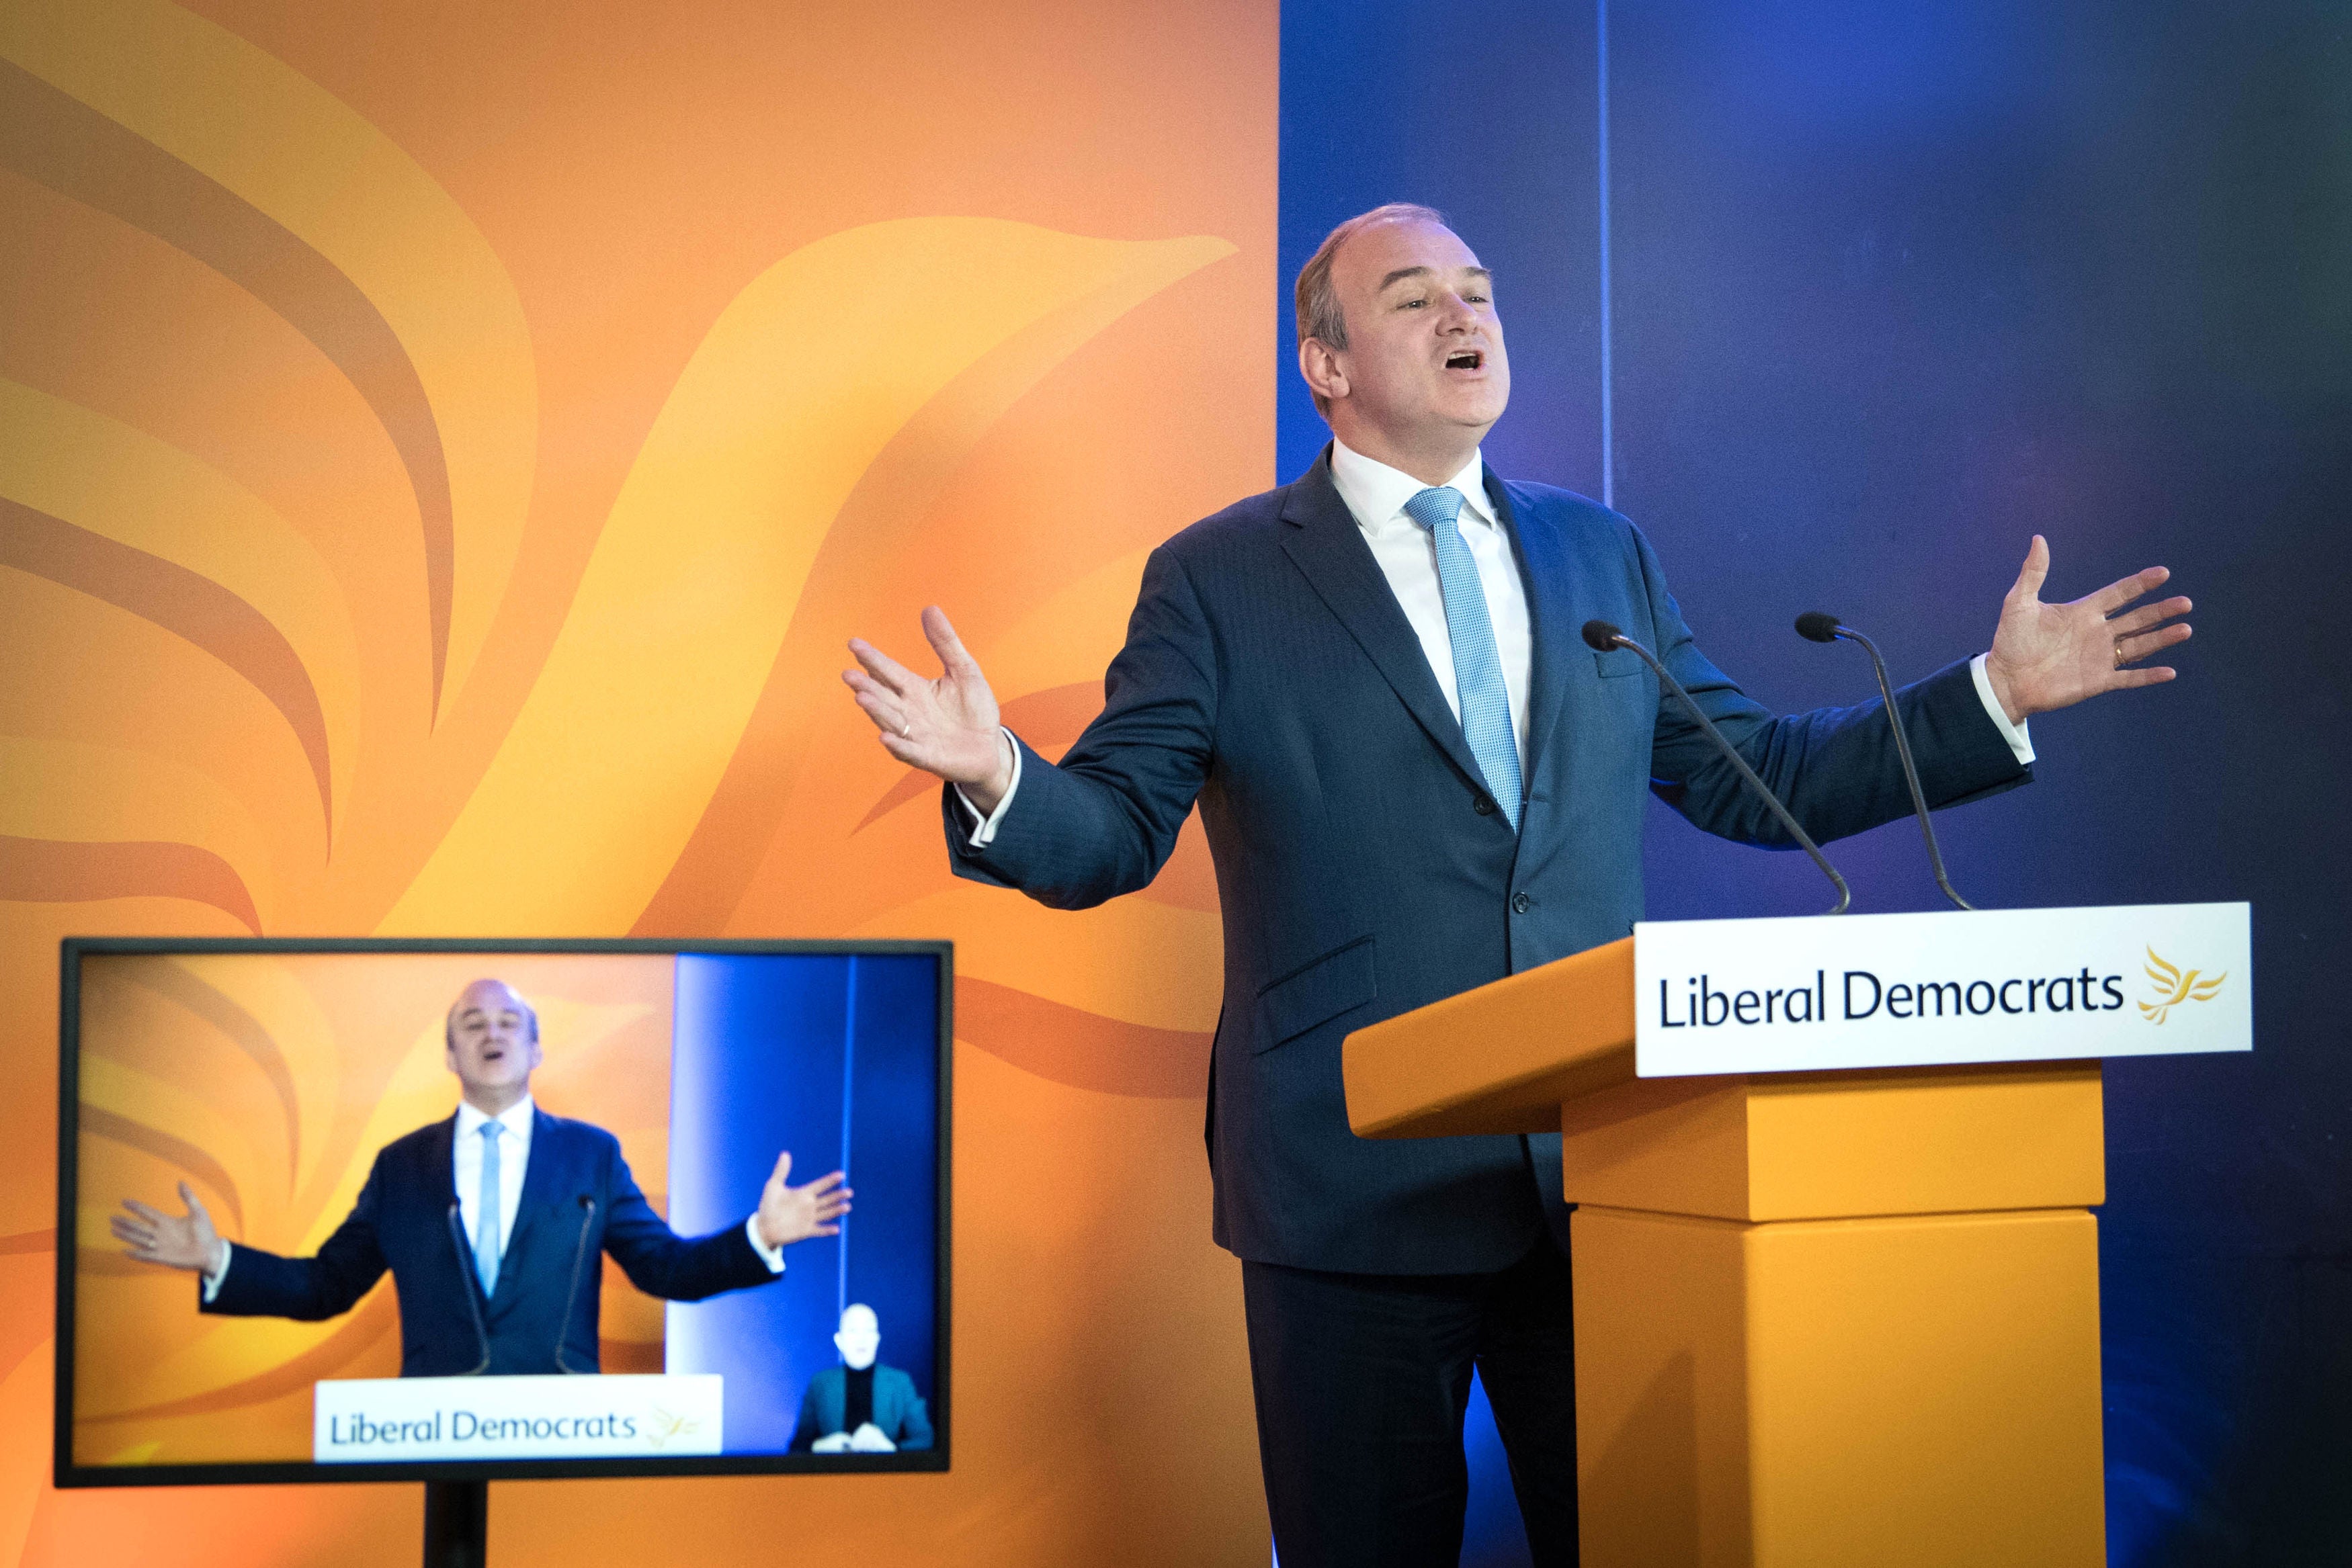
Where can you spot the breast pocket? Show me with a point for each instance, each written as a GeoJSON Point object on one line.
{"type": "Point", "coordinates": [1340, 981]}
{"type": "Point", "coordinates": [1618, 665]}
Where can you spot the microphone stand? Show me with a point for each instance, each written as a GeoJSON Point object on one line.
{"type": "Point", "coordinates": [1820, 626]}
{"type": "Point", "coordinates": [1600, 637]}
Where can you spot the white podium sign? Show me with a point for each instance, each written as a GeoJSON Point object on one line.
{"type": "Point", "coordinates": [1906, 990]}
{"type": "Point", "coordinates": [379, 1420]}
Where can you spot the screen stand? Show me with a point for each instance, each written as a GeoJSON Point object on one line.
{"type": "Point", "coordinates": [456, 1523]}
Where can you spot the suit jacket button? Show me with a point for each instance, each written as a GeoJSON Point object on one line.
{"type": "Point", "coordinates": [1483, 805]}
{"type": "Point", "coordinates": [1521, 903]}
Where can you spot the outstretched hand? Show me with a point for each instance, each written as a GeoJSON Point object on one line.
{"type": "Point", "coordinates": [189, 1241]}
{"type": "Point", "coordinates": [789, 1214]}
{"type": "Point", "coordinates": [946, 726]}
{"type": "Point", "coordinates": [2047, 656]}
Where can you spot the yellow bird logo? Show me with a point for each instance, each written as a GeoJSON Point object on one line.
{"type": "Point", "coordinates": [663, 1427]}
{"type": "Point", "coordinates": [2173, 987]}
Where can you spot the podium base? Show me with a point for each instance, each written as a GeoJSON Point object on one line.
{"type": "Point", "coordinates": [1921, 1389]}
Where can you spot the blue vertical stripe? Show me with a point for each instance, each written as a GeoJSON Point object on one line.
{"type": "Point", "coordinates": [799, 1052]}
{"type": "Point", "coordinates": [1600, 142]}
{"type": "Point", "coordinates": [848, 1078]}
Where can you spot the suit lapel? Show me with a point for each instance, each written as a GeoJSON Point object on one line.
{"type": "Point", "coordinates": [437, 1150]}
{"type": "Point", "coordinates": [1554, 635]}
{"type": "Point", "coordinates": [540, 1182]}
{"type": "Point", "coordinates": [1326, 544]}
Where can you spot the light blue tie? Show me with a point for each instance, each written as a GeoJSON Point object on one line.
{"type": "Point", "coordinates": [486, 1214]}
{"type": "Point", "coordinates": [1477, 667]}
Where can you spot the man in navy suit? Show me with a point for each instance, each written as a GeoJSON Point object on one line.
{"type": "Point", "coordinates": [491, 1223]}
{"type": "Point", "coordinates": [1415, 779]}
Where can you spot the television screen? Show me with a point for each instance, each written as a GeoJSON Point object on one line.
{"type": "Point", "coordinates": [368, 1210]}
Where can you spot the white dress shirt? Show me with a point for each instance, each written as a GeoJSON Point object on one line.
{"type": "Point", "coordinates": [1407, 553]}
{"type": "Point", "coordinates": [1375, 495]}
{"type": "Point", "coordinates": [514, 1159]}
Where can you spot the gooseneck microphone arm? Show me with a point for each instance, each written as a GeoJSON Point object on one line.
{"type": "Point", "coordinates": [1820, 626]}
{"type": "Point", "coordinates": [1602, 637]}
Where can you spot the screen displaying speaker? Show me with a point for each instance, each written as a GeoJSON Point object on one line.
{"type": "Point", "coordinates": [368, 1210]}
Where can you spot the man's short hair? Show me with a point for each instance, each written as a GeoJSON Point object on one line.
{"type": "Point", "coordinates": [449, 1019]}
{"type": "Point", "coordinates": [1320, 316]}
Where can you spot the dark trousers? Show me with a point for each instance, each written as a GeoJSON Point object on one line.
{"type": "Point", "coordinates": [1361, 1383]}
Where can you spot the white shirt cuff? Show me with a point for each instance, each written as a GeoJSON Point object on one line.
{"type": "Point", "coordinates": [981, 831]}
{"type": "Point", "coordinates": [213, 1277]}
{"type": "Point", "coordinates": [2021, 743]}
{"type": "Point", "coordinates": [773, 1257]}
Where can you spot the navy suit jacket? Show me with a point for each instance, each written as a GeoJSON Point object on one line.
{"type": "Point", "coordinates": [1270, 674]}
{"type": "Point", "coordinates": [578, 1200]}
{"type": "Point", "coordinates": [898, 1410]}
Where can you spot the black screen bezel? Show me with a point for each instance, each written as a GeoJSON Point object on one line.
{"type": "Point", "coordinates": [67, 1474]}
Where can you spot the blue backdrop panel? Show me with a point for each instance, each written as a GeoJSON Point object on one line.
{"type": "Point", "coordinates": [889, 1243]}
{"type": "Point", "coordinates": [1485, 110]}
{"type": "Point", "coordinates": [1897, 286]}
{"type": "Point", "coordinates": [833, 1057]}
{"type": "Point", "coordinates": [1890, 288]}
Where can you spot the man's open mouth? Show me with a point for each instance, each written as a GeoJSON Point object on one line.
{"type": "Point", "coordinates": [1464, 360]}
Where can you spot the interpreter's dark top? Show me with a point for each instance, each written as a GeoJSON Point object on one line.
{"type": "Point", "coordinates": [857, 1398]}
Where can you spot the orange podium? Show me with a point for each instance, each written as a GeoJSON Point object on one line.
{"type": "Point", "coordinates": [1839, 1319]}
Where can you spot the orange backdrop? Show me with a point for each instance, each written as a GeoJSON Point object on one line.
{"type": "Point", "coordinates": [443, 448]}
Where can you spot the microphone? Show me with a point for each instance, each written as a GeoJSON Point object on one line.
{"type": "Point", "coordinates": [1820, 626]}
{"type": "Point", "coordinates": [571, 1291]}
{"type": "Point", "coordinates": [1602, 637]}
{"type": "Point", "coordinates": [473, 1294]}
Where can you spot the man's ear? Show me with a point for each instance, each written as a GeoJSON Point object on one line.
{"type": "Point", "coordinates": [1319, 363]}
